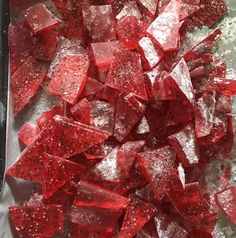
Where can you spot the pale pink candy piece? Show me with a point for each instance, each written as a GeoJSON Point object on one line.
{"type": "Point", "coordinates": [130, 9]}
{"type": "Point", "coordinates": [150, 5]}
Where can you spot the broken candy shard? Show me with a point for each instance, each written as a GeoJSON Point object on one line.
{"type": "Point", "coordinates": [40, 18]}
{"type": "Point", "coordinates": [130, 30]}
{"type": "Point", "coordinates": [89, 195]}
{"type": "Point", "coordinates": [158, 167]}
{"type": "Point", "coordinates": [102, 53]}
{"type": "Point", "coordinates": [92, 87]}
{"type": "Point", "coordinates": [227, 87]}
{"type": "Point", "coordinates": [69, 77]}
{"type": "Point", "coordinates": [152, 54]}
{"type": "Point", "coordinates": [130, 9]}
{"type": "Point", "coordinates": [25, 83]}
{"type": "Point", "coordinates": [226, 200]}
{"type": "Point", "coordinates": [28, 133]}
{"type": "Point", "coordinates": [127, 154]}
{"type": "Point", "coordinates": [187, 10]}
{"type": "Point", "coordinates": [61, 137]}
{"type": "Point", "coordinates": [99, 23]}
{"type": "Point", "coordinates": [126, 73]}
{"type": "Point", "coordinates": [185, 146]}
{"type": "Point", "coordinates": [37, 221]}
{"type": "Point", "coordinates": [94, 218]}
{"type": "Point", "coordinates": [58, 172]}
{"type": "Point", "coordinates": [137, 215]}
{"type": "Point", "coordinates": [165, 28]}
{"type": "Point", "coordinates": [150, 5]}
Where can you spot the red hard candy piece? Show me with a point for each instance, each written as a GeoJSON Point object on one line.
{"type": "Point", "coordinates": [95, 152]}
{"type": "Point", "coordinates": [69, 77]}
{"type": "Point", "coordinates": [102, 52]}
{"type": "Point", "coordinates": [158, 167]}
{"type": "Point", "coordinates": [152, 54]}
{"type": "Point", "coordinates": [226, 200]}
{"type": "Point", "coordinates": [81, 111]}
{"type": "Point", "coordinates": [212, 11]}
{"type": "Point", "coordinates": [128, 112]}
{"type": "Point", "coordinates": [130, 9]}
{"type": "Point", "coordinates": [147, 194]}
{"type": "Point", "coordinates": [149, 230]}
{"type": "Point", "coordinates": [130, 30]}
{"type": "Point", "coordinates": [219, 69]}
{"type": "Point", "coordinates": [227, 87]}
{"type": "Point", "coordinates": [61, 137]}
{"type": "Point", "coordinates": [25, 82]}
{"type": "Point", "coordinates": [64, 6]}
{"type": "Point", "coordinates": [19, 52]}
{"type": "Point", "coordinates": [143, 127]}
{"type": "Point", "coordinates": [99, 23]}
{"type": "Point", "coordinates": [37, 221]}
{"type": "Point", "coordinates": [185, 145]}
{"type": "Point", "coordinates": [92, 87]}
{"type": "Point", "coordinates": [137, 214]}
{"type": "Point", "coordinates": [165, 28]}
{"type": "Point", "coordinates": [40, 18]}
{"type": "Point", "coordinates": [58, 172]}
{"type": "Point", "coordinates": [94, 218]}
{"type": "Point", "coordinates": [127, 154]}
{"type": "Point", "coordinates": [188, 10]}
{"type": "Point", "coordinates": [89, 195]}
{"type": "Point", "coordinates": [150, 6]}
{"type": "Point", "coordinates": [28, 133]}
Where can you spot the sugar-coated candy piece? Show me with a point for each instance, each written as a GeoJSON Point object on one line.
{"type": "Point", "coordinates": [19, 52]}
{"type": "Point", "coordinates": [95, 152]}
{"type": "Point", "coordinates": [61, 137]}
{"type": "Point", "coordinates": [40, 18]}
{"type": "Point", "coordinates": [28, 132]}
{"type": "Point", "coordinates": [42, 221]}
{"type": "Point", "coordinates": [152, 54]}
{"type": "Point", "coordinates": [99, 23]}
{"type": "Point", "coordinates": [128, 112]}
{"type": "Point", "coordinates": [187, 10]}
{"type": "Point", "coordinates": [58, 172]}
{"type": "Point", "coordinates": [81, 111]}
{"type": "Point", "coordinates": [69, 77]}
{"type": "Point", "coordinates": [227, 87]}
{"type": "Point", "coordinates": [130, 9]}
{"type": "Point", "coordinates": [185, 145]}
{"type": "Point", "coordinates": [212, 11]}
{"type": "Point", "coordinates": [158, 166]}
{"type": "Point", "coordinates": [130, 30]}
{"type": "Point", "coordinates": [226, 200]}
{"type": "Point", "coordinates": [150, 5]}
{"type": "Point", "coordinates": [126, 73]}
{"type": "Point", "coordinates": [25, 82]}
{"type": "Point", "coordinates": [147, 194]}
{"type": "Point", "coordinates": [90, 195]}
{"type": "Point", "coordinates": [92, 87]}
{"type": "Point", "coordinates": [219, 68]}
{"type": "Point", "coordinates": [143, 127]}
{"type": "Point", "coordinates": [165, 28]}
{"type": "Point", "coordinates": [94, 218]}
{"type": "Point", "coordinates": [127, 154]}
{"type": "Point", "coordinates": [102, 52]}
{"type": "Point", "coordinates": [138, 213]}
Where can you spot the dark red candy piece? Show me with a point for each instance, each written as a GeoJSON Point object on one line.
{"type": "Point", "coordinates": [158, 167]}
{"type": "Point", "coordinates": [128, 112]}
{"type": "Point", "coordinates": [108, 94]}
{"type": "Point", "coordinates": [219, 69]}
{"type": "Point", "coordinates": [89, 195]}
{"type": "Point", "coordinates": [227, 87]}
{"type": "Point", "coordinates": [198, 233]}
{"type": "Point", "coordinates": [19, 52]}
{"type": "Point", "coordinates": [138, 213]}
{"type": "Point", "coordinates": [165, 28]}
{"type": "Point", "coordinates": [130, 30]}
{"type": "Point", "coordinates": [150, 6]}
{"type": "Point", "coordinates": [95, 218]}
{"type": "Point", "coordinates": [148, 231]}
{"type": "Point", "coordinates": [130, 9]}
{"type": "Point", "coordinates": [37, 221]}
{"type": "Point", "coordinates": [95, 152]}
{"type": "Point", "coordinates": [226, 200]}
{"type": "Point", "coordinates": [28, 133]}
{"type": "Point", "coordinates": [212, 11]}
{"type": "Point", "coordinates": [40, 18]}
{"type": "Point", "coordinates": [127, 154]}
{"type": "Point", "coordinates": [152, 54]}
{"type": "Point", "coordinates": [58, 172]}
{"type": "Point", "coordinates": [25, 83]}
{"type": "Point", "coordinates": [69, 77]}
{"type": "Point", "coordinates": [92, 87]}
{"type": "Point", "coordinates": [81, 111]}
{"type": "Point", "coordinates": [63, 6]}
{"type": "Point", "coordinates": [99, 23]}
{"type": "Point", "coordinates": [102, 53]}
{"type": "Point", "coordinates": [185, 145]}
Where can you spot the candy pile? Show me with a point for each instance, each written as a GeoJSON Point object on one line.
{"type": "Point", "coordinates": [142, 115]}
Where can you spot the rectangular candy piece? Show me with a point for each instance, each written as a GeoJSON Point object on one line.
{"type": "Point", "coordinates": [99, 23]}
{"type": "Point", "coordinates": [69, 77]}
{"type": "Point", "coordinates": [40, 18]}
{"type": "Point", "coordinates": [25, 82]}
{"type": "Point", "coordinates": [42, 221]}
{"type": "Point", "coordinates": [165, 28]}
